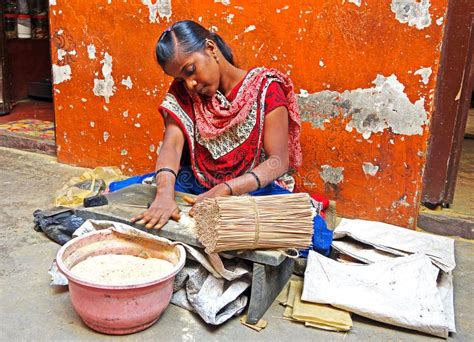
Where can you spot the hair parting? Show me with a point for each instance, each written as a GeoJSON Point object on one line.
{"type": "Point", "coordinates": [189, 37]}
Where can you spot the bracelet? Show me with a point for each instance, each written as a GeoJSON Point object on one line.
{"type": "Point", "coordinates": [166, 169]}
{"type": "Point", "coordinates": [230, 188]}
{"type": "Point", "coordinates": [259, 185]}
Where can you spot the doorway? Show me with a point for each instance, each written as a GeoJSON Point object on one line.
{"type": "Point", "coordinates": [26, 112]}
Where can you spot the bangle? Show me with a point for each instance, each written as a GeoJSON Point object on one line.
{"type": "Point", "coordinates": [259, 185]}
{"type": "Point", "coordinates": [230, 188]}
{"type": "Point", "coordinates": [166, 169]}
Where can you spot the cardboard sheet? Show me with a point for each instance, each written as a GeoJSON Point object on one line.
{"type": "Point", "coordinates": [313, 315]}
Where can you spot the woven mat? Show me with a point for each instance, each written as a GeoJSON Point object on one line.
{"type": "Point", "coordinates": [32, 128]}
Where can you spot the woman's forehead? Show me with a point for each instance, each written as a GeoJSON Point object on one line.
{"type": "Point", "coordinates": [178, 62]}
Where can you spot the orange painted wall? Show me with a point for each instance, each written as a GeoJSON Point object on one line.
{"type": "Point", "coordinates": [332, 45]}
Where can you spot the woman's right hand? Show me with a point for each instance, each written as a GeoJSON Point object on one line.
{"type": "Point", "coordinates": [161, 210]}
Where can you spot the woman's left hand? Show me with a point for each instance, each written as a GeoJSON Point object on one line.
{"type": "Point", "coordinates": [218, 190]}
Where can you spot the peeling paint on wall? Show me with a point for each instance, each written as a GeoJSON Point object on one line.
{"type": "Point", "coordinates": [387, 106]}
{"type": "Point", "coordinates": [333, 175]}
{"type": "Point", "coordinates": [439, 21]}
{"type": "Point", "coordinates": [106, 136]}
{"type": "Point", "coordinates": [425, 74]}
{"type": "Point", "coordinates": [370, 169]}
{"type": "Point", "coordinates": [401, 202]}
{"type": "Point", "coordinates": [127, 82]}
{"type": "Point", "coordinates": [356, 2]}
{"type": "Point", "coordinates": [279, 10]}
{"type": "Point", "coordinates": [52, 2]}
{"type": "Point", "coordinates": [412, 12]}
{"type": "Point", "coordinates": [250, 28]}
{"type": "Point", "coordinates": [91, 51]}
{"type": "Point", "coordinates": [61, 53]}
{"type": "Point", "coordinates": [371, 110]}
{"type": "Point", "coordinates": [161, 8]}
{"type": "Point", "coordinates": [61, 73]}
{"type": "Point", "coordinates": [105, 87]}
{"type": "Point", "coordinates": [229, 18]}
{"type": "Point", "coordinates": [224, 2]}
{"type": "Point", "coordinates": [303, 93]}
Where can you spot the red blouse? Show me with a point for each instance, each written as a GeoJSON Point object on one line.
{"type": "Point", "coordinates": [275, 96]}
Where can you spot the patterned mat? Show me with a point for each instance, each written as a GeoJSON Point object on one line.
{"type": "Point", "coordinates": [32, 128]}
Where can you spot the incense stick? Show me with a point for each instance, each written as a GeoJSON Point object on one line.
{"type": "Point", "coordinates": [261, 222]}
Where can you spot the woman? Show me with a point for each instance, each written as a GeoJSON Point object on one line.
{"type": "Point", "coordinates": [228, 131]}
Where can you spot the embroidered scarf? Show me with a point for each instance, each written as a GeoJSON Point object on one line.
{"type": "Point", "coordinates": [225, 139]}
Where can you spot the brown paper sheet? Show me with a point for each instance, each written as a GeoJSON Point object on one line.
{"type": "Point", "coordinates": [319, 316]}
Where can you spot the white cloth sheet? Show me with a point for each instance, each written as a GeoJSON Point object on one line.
{"type": "Point", "coordinates": [401, 291]}
{"type": "Point", "coordinates": [398, 240]}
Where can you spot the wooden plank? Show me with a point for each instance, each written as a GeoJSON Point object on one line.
{"type": "Point", "coordinates": [447, 225]}
{"type": "Point", "coordinates": [140, 195]}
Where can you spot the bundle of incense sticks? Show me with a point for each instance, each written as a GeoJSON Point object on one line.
{"type": "Point", "coordinates": [262, 222]}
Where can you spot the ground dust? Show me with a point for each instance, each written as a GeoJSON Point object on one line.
{"type": "Point", "coordinates": [113, 269]}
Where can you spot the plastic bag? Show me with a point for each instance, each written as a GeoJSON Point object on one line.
{"type": "Point", "coordinates": [214, 299]}
{"type": "Point", "coordinates": [90, 183]}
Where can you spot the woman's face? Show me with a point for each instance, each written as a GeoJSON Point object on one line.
{"type": "Point", "coordinates": [199, 71]}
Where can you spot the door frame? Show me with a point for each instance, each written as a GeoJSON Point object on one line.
{"type": "Point", "coordinates": [451, 105]}
{"type": "Point", "coordinates": [4, 80]}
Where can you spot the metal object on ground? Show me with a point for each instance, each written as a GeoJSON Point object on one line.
{"type": "Point", "coordinates": [95, 201]}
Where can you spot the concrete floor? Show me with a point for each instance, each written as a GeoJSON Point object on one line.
{"type": "Point", "coordinates": [31, 310]}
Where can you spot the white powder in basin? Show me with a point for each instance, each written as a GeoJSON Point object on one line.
{"type": "Point", "coordinates": [113, 269]}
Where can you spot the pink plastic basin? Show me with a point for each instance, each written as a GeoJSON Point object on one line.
{"type": "Point", "coordinates": [118, 309]}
